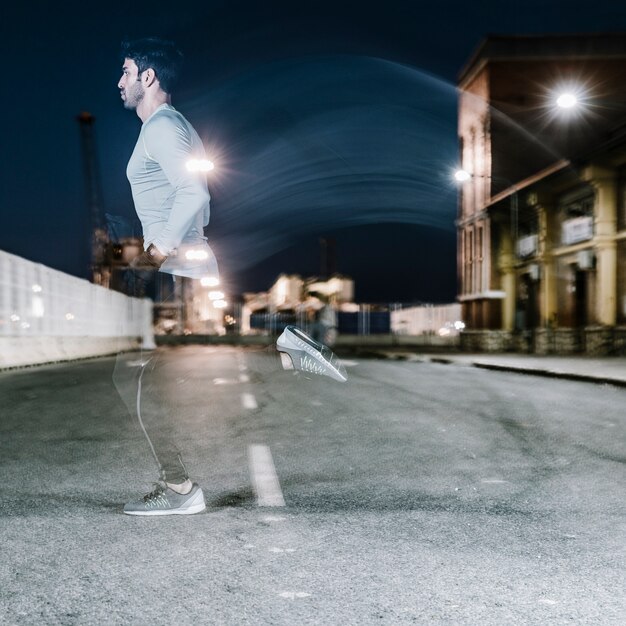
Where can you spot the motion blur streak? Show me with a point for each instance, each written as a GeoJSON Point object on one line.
{"type": "Point", "coordinates": [327, 143]}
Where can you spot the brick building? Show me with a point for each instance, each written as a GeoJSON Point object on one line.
{"type": "Point", "coordinates": [542, 215]}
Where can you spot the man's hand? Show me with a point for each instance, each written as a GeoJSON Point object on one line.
{"type": "Point", "coordinates": [150, 258]}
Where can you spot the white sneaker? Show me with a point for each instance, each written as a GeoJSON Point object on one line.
{"type": "Point", "coordinates": [165, 501]}
{"type": "Point", "coordinates": [303, 353]}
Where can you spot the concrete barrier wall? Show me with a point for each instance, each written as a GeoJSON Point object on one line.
{"type": "Point", "coordinates": [48, 316]}
{"type": "Point", "coordinates": [427, 319]}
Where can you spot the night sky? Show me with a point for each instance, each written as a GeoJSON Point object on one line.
{"type": "Point", "coordinates": [324, 119]}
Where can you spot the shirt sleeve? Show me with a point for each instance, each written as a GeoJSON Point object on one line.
{"type": "Point", "coordinates": [168, 141]}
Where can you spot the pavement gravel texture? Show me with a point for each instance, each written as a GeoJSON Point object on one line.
{"type": "Point", "coordinates": [416, 493]}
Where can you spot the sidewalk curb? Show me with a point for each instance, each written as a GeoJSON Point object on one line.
{"type": "Point", "coordinates": [585, 378]}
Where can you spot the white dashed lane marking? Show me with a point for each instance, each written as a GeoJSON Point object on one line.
{"type": "Point", "coordinates": [249, 401]}
{"type": "Point", "coordinates": [224, 381]}
{"type": "Point", "coordinates": [277, 550]}
{"type": "Point", "coordinates": [264, 477]}
{"type": "Point", "coordinates": [244, 378]}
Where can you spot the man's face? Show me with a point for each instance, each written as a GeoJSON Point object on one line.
{"type": "Point", "coordinates": [130, 86]}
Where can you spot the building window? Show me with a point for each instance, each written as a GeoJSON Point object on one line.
{"type": "Point", "coordinates": [621, 282]}
{"type": "Point", "coordinates": [528, 223]}
{"type": "Point", "coordinates": [470, 261]}
{"type": "Point", "coordinates": [527, 233]}
{"type": "Point", "coordinates": [479, 259]}
{"type": "Point", "coordinates": [576, 216]}
{"type": "Point", "coordinates": [621, 200]}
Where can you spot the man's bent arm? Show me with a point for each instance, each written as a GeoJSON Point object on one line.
{"type": "Point", "coordinates": [170, 145]}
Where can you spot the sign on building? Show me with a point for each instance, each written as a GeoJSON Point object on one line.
{"type": "Point", "coordinates": [577, 229]}
{"type": "Point", "coordinates": [527, 246]}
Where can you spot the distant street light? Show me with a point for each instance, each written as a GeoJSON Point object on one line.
{"type": "Point", "coordinates": [462, 176]}
{"type": "Point", "coordinates": [196, 255]}
{"type": "Point", "coordinates": [567, 100]}
{"type": "Point", "coordinates": [209, 281]}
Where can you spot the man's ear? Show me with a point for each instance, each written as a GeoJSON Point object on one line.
{"type": "Point", "coordinates": [149, 76]}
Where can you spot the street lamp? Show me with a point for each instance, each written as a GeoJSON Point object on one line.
{"type": "Point", "coordinates": [462, 175]}
{"type": "Point", "coordinates": [567, 100]}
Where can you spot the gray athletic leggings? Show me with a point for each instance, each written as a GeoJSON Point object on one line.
{"type": "Point", "coordinates": [149, 383]}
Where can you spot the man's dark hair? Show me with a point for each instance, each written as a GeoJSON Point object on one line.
{"type": "Point", "coordinates": [159, 54]}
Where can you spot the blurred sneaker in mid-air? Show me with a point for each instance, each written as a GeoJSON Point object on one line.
{"type": "Point", "coordinates": [300, 352]}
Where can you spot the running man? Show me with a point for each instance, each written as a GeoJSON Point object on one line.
{"type": "Point", "coordinates": [172, 203]}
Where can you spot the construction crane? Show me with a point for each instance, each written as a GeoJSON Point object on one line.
{"type": "Point", "coordinates": [93, 190]}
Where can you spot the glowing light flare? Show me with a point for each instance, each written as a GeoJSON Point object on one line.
{"type": "Point", "coordinates": [462, 176]}
{"type": "Point", "coordinates": [567, 100]}
{"type": "Point", "coordinates": [570, 99]}
{"type": "Point", "coordinates": [220, 304]}
{"type": "Point", "coordinates": [200, 165]}
{"type": "Point", "coordinates": [216, 295]}
{"type": "Point", "coordinates": [196, 255]}
{"type": "Point", "coordinates": [37, 288]}
{"type": "Point", "coordinates": [15, 317]}
{"type": "Point", "coordinates": [209, 281]}
{"type": "Point", "coordinates": [69, 317]}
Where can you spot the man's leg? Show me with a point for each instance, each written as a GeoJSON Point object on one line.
{"type": "Point", "coordinates": [146, 381]}
{"type": "Point", "coordinates": [148, 389]}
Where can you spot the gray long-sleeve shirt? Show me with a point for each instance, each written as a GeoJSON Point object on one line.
{"type": "Point", "coordinates": [172, 202]}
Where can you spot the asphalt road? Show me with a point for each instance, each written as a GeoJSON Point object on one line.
{"type": "Point", "coordinates": [416, 493]}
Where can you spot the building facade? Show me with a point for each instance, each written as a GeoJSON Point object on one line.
{"type": "Point", "coordinates": [542, 215]}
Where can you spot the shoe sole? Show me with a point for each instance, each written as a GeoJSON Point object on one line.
{"type": "Point", "coordinates": [192, 509]}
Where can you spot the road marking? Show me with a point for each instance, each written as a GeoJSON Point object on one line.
{"type": "Point", "coordinates": [244, 378]}
{"type": "Point", "coordinates": [292, 595]}
{"type": "Point", "coordinates": [493, 481]}
{"type": "Point", "coordinates": [281, 550]}
{"type": "Point", "coordinates": [274, 518]}
{"type": "Point", "coordinates": [347, 363]}
{"type": "Point", "coordinates": [249, 401]}
{"type": "Point", "coordinates": [224, 381]}
{"type": "Point", "coordinates": [264, 477]}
